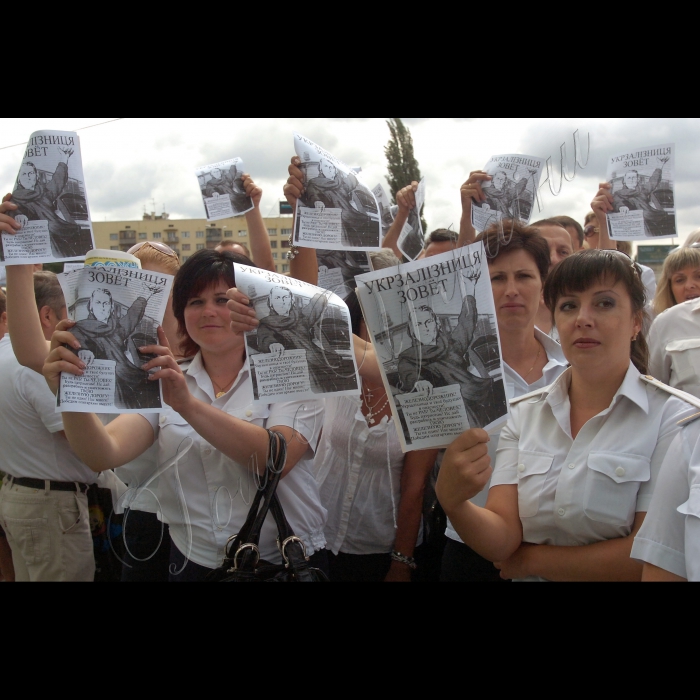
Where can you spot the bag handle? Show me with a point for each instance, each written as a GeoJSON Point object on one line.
{"type": "Point", "coordinates": [245, 544]}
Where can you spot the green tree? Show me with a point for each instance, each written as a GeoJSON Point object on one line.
{"type": "Point", "coordinates": [401, 161]}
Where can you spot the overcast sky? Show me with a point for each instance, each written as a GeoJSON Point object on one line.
{"type": "Point", "coordinates": [131, 162]}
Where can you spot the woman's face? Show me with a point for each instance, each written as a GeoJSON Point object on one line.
{"type": "Point", "coordinates": [596, 326]}
{"type": "Point", "coordinates": [517, 290]}
{"type": "Point", "coordinates": [685, 284]}
{"type": "Point", "coordinates": [208, 322]}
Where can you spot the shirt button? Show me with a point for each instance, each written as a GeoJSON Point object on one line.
{"type": "Point", "coordinates": [162, 420]}
{"type": "Point", "coordinates": [248, 414]}
{"type": "Point", "coordinates": [620, 471]}
{"type": "Point", "coordinates": [207, 452]}
{"type": "Point", "coordinates": [572, 466]}
{"type": "Point", "coordinates": [561, 512]}
{"type": "Point", "coordinates": [521, 468]}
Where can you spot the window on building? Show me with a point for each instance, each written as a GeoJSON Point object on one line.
{"type": "Point", "coordinates": [127, 235]}
{"type": "Point", "coordinates": [200, 234]}
{"type": "Point", "coordinates": [285, 244]}
{"type": "Point", "coordinates": [273, 244]}
{"type": "Point", "coordinates": [243, 234]}
{"type": "Point", "coordinates": [143, 236]}
{"type": "Point", "coordinates": [228, 234]}
{"type": "Point", "coordinates": [272, 232]}
{"type": "Point", "coordinates": [186, 246]}
{"type": "Point", "coordinates": [286, 231]}
{"type": "Point", "coordinates": [113, 236]}
{"type": "Point", "coordinates": [185, 234]}
{"type": "Point", "coordinates": [285, 268]}
{"type": "Point", "coordinates": [274, 256]}
{"type": "Point", "coordinates": [185, 258]}
{"type": "Point", "coordinates": [200, 246]}
{"type": "Point", "coordinates": [127, 226]}
{"type": "Point", "coordinates": [156, 235]}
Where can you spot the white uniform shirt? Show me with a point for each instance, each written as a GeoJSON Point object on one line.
{"type": "Point", "coordinates": [670, 535]}
{"type": "Point", "coordinates": [674, 347]}
{"type": "Point", "coordinates": [30, 444]}
{"type": "Point", "coordinates": [359, 472]}
{"type": "Point", "coordinates": [217, 491]}
{"type": "Point", "coordinates": [587, 490]}
{"type": "Point", "coordinates": [517, 386]}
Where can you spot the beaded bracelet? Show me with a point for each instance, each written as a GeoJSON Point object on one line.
{"type": "Point", "coordinates": [410, 562]}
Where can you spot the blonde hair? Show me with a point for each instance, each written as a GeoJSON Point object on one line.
{"type": "Point", "coordinates": [147, 254]}
{"type": "Point", "coordinates": [678, 260]}
{"type": "Point", "coordinates": [694, 237]}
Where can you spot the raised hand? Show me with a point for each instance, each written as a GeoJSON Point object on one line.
{"type": "Point", "coordinates": [243, 317]}
{"type": "Point", "coordinates": [252, 190]}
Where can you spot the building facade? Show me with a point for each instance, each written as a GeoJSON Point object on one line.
{"type": "Point", "coordinates": [187, 236]}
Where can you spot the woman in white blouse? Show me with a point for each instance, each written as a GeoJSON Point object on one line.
{"type": "Point", "coordinates": [578, 462]}
{"type": "Point", "coordinates": [212, 443]}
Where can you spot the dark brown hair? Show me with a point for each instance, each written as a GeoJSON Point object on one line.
{"type": "Point", "coordinates": [579, 272]}
{"type": "Point", "coordinates": [441, 235]}
{"type": "Point", "coordinates": [204, 269]}
{"type": "Point", "coordinates": [3, 302]}
{"type": "Point", "coordinates": [507, 236]}
{"type": "Point", "coordinates": [568, 221]}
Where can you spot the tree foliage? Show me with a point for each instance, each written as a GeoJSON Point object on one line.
{"type": "Point", "coordinates": [402, 166]}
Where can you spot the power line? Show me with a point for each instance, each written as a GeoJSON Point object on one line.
{"type": "Point", "coordinates": [92, 126]}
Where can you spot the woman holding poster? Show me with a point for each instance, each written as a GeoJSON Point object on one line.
{"type": "Point", "coordinates": [579, 460]}
{"type": "Point", "coordinates": [213, 443]}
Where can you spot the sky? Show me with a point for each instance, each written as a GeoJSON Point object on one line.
{"type": "Point", "coordinates": [134, 162]}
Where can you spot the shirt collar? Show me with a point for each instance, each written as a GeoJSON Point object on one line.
{"type": "Point", "coordinates": [197, 371]}
{"type": "Point", "coordinates": [632, 388]}
{"type": "Point", "coordinates": [553, 349]}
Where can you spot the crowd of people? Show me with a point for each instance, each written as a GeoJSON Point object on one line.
{"type": "Point", "coordinates": [593, 477]}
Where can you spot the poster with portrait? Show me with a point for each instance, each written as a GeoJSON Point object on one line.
{"type": "Point", "coordinates": [412, 238]}
{"type": "Point", "coordinates": [337, 210]}
{"type": "Point", "coordinates": [512, 191]}
{"type": "Point", "coordinates": [337, 270]}
{"type": "Point", "coordinates": [433, 327]}
{"type": "Point", "coordinates": [118, 311]}
{"type": "Point", "coordinates": [223, 193]}
{"type": "Point", "coordinates": [51, 203]}
{"type": "Point", "coordinates": [303, 347]}
{"type": "Point", "coordinates": [643, 193]}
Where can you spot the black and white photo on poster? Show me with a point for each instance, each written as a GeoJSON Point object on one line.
{"type": "Point", "coordinates": [433, 326]}
{"type": "Point", "coordinates": [412, 238]}
{"type": "Point", "coordinates": [643, 193]}
{"type": "Point", "coordinates": [223, 193]}
{"type": "Point", "coordinates": [336, 210]}
{"type": "Point", "coordinates": [337, 270]}
{"type": "Point", "coordinates": [117, 311]}
{"type": "Point", "coordinates": [512, 191]}
{"type": "Point", "coordinates": [51, 203]}
{"type": "Point", "coordinates": [303, 346]}
{"type": "Point", "coordinates": [386, 213]}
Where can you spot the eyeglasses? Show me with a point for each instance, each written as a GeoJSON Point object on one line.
{"type": "Point", "coordinates": [160, 247]}
{"type": "Point", "coordinates": [590, 231]}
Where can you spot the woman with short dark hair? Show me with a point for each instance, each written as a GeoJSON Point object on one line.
{"type": "Point", "coordinates": [212, 444]}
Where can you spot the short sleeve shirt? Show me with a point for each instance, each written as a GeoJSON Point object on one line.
{"type": "Point", "coordinates": [205, 496]}
{"type": "Point", "coordinates": [670, 535]}
{"type": "Point", "coordinates": [587, 490]}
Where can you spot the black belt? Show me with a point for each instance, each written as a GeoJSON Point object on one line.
{"type": "Point", "coordinates": [53, 485]}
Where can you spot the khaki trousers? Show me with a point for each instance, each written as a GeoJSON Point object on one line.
{"type": "Point", "coordinates": [48, 532]}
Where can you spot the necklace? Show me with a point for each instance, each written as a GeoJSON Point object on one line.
{"type": "Point", "coordinates": [222, 389]}
{"type": "Point", "coordinates": [371, 415]}
{"type": "Point", "coordinates": [367, 396]}
{"type": "Point", "coordinates": [539, 352]}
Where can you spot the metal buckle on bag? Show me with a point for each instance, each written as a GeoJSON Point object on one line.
{"type": "Point", "coordinates": [283, 548]}
{"type": "Point", "coordinates": [240, 549]}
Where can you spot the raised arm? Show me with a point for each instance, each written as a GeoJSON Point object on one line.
{"type": "Point", "coordinates": [470, 192]}
{"type": "Point", "coordinates": [304, 265]}
{"type": "Point", "coordinates": [259, 239]}
{"type": "Point", "coordinates": [602, 205]}
{"type": "Point", "coordinates": [416, 468]}
{"type": "Point", "coordinates": [406, 200]}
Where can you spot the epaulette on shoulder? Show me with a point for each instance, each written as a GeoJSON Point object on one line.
{"type": "Point", "coordinates": [688, 398]}
{"type": "Point", "coordinates": [531, 395]}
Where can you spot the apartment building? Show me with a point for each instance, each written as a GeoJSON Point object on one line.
{"type": "Point", "coordinates": [187, 236]}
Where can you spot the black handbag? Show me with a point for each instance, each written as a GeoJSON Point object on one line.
{"type": "Point", "coordinates": [242, 563]}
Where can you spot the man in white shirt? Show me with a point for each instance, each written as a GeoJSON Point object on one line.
{"type": "Point", "coordinates": [43, 502]}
